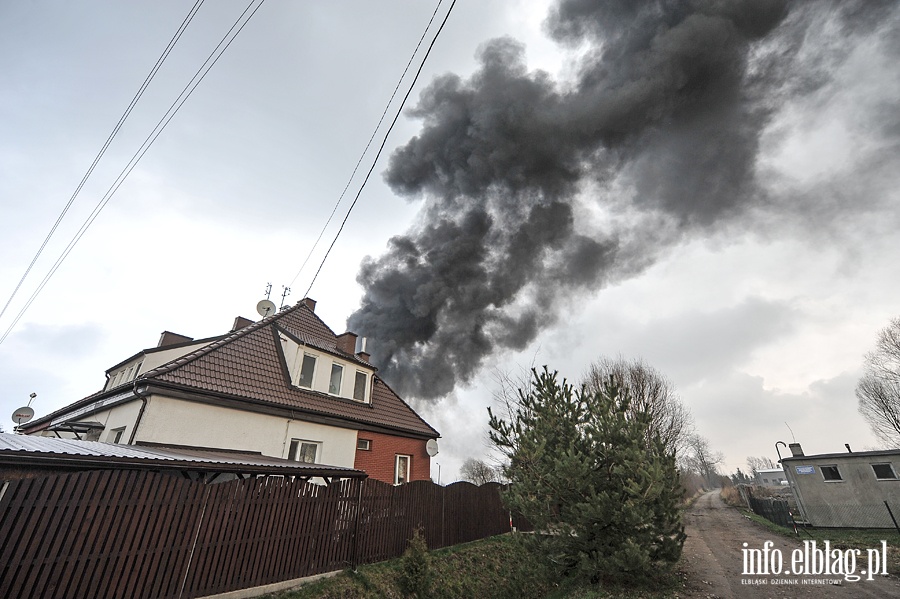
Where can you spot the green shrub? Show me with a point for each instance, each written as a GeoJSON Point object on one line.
{"type": "Point", "coordinates": [415, 569]}
{"type": "Point", "coordinates": [602, 491]}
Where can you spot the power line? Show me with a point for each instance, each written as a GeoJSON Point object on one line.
{"type": "Point", "coordinates": [200, 74]}
{"type": "Point", "coordinates": [137, 96]}
{"type": "Point", "coordinates": [381, 148]}
{"type": "Point", "coordinates": [369, 144]}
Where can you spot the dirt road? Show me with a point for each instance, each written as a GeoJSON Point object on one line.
{"type": "Point", "coordinates": [714, 561]}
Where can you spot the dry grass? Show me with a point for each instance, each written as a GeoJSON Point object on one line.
{"type": "Point", "coordinates": [731, 496]}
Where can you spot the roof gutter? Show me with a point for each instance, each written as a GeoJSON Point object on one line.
{"type": "Point", "coordinates": [140, 392]}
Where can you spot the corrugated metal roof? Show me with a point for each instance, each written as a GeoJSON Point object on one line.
{"type": "Point", "coordinates": [25, 446]}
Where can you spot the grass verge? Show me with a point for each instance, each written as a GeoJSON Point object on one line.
{"type": "Point", "coordinates": [498, 567]}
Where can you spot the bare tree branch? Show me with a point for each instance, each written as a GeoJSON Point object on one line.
{"type": "Point", "coordinates": [878, 391]}
{"type": "Point", "coordinates": [650, 391]}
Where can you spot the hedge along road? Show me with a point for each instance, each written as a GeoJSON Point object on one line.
{"type": "Point", "coordinates": [714, 560]}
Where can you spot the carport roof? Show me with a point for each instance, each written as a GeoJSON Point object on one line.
{"type": "Point", "coordinates": [25, 451]}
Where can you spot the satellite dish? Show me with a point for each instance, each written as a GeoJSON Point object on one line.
{"type": "Point", "coordinates": [265, 308]}
{"type": "Point", "coordinates": [431, 447]}
{"type": "Point", "coordinates": [22, 415]}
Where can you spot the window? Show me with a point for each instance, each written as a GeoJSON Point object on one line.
{"type": "Point", "coordinates": [830, 473]}
{"type": "Point", "coordinates": [306, 371]}
{"type": "Point", "coordinates": [303, 451]}
{"type": "Point", "coordinates": [137, 369]}
{"type": "Point", "coordinates": [401, 469]}
{"type": "Point", "coordinates": [115, 435]}
{"type": "Point", "coordinates": [363, 444]}
{"type": "Point", "coordinates": [359, 386]}
{"type": "Point", "coordinates": [334, 385]}
{"type": "Point", "coordinates": [884, 472]}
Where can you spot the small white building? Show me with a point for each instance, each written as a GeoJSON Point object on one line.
{"type": "Point", "coordinates": [771, 477]}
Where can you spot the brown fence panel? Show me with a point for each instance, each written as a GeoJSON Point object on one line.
{"type": "Point", "coordinates": [95, 535]}
{"type": "Point", "coordinates": [110, 534]}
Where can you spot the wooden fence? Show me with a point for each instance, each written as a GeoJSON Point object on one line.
{"type": "Point", "coordinates": [142, 534]}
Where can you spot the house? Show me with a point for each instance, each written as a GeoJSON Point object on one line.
{"type": "Point", "coordinates": [285, 387]}
{"type": "Point", "coordinates": [848, 489]}
{"type": "Point", "coordinates": [771, 477]}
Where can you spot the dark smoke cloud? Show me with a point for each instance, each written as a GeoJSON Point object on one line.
{"type": "Point", "coordinates": [669, 105]}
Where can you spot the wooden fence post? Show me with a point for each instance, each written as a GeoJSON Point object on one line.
{"type": "Point", "coordinates": [355, 559]}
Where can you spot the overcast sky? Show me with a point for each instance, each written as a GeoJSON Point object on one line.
{"type": "Point", "coordinates": [760, 310]}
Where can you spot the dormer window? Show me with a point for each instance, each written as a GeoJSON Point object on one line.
{"type": "Point", "coordinates": [359, 386]}
{"type": "Point", "coordinates": [306, 371]}
{"type": "Point", "coordinates": [334, 385]}
{"type": "Point", "coordinates": [313, 368]}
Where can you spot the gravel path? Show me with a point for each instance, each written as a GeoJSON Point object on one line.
{"type": "Point", "coordinates": [713, 561]}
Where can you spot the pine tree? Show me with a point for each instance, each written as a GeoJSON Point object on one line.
{"type": "Point", "coordinates": [602, 494]}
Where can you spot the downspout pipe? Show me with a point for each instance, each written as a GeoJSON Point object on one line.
{"type": "Point", "coordinates": [141, 393]}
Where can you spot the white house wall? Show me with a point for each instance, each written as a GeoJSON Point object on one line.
{"type": "Point", "coordinates": [118, 416]}
{"type": "Point", "coordinates": [179, 422]}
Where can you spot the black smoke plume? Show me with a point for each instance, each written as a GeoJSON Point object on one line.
{"type": "Point", "coordinates": [660, 132]}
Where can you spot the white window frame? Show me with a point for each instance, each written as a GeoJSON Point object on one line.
{"type": "Point", "coordinates": [297, 445]}
{"type": "Point", "coordinates": [340, 382]}
{"type": "Point", "coordinates": [312, 376]}
{"type": "Point", "coordinates": [366, 386]}
{"type": "Point", "coordinates": [889, 465]}
{"type": "Point", "coordinates": [397, 459]}
{"type": "Point", "coordinates": [115, 435]}
{"type": "Point", "coordinates": [840, 477]}
{"type": "Point", "coordinates": [364, 444]}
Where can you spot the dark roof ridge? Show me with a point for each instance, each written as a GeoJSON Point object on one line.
{"type": "Point", "coordinates": [225, 340]}
{"type": "Point", "coordinates": [403, 401]}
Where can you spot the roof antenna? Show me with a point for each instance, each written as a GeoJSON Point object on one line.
{"type": "Point", "coordinates": [792, 432]}
{"type": "Point", "coordinates": [266, 307]}
{"type": "Point", "coordinates": [284, 294]}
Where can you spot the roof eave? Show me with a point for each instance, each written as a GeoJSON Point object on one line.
{"type": "Point", "coordinates": [71, 462]}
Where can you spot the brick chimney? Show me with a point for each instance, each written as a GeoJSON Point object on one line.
{"type": "Point", "coordinates": [347, 342]}
{"type": "Point", "coordinates": [310, 303]}
{"type": "Point", "coordinates": [240, 322]}
{"type": "Point", "coordinates": [168, 338]}
{"type": "Point", "coordinates": [796, 450]}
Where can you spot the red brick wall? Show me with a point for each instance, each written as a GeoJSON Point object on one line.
{"type": "Point", "coordinates": [378, 462]}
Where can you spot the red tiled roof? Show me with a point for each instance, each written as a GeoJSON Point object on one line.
{"type": "Point", "coordinates": [247, 365]}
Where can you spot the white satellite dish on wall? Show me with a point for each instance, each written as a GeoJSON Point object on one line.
{"type": "Point", "coordinates": [432, 447]}
{"type": "Point", "coordinates": [265, 308]}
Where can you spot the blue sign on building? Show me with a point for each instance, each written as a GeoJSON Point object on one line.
{"type": "Point", "coordinates": [805, 469]}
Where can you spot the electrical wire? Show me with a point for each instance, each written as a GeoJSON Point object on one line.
{"type": "Point", "coordinates": [381, 148]}
{"type": "Point", "coordinates": [137, 96]}
{"type": "Point", "coordinates": [369, 144]}
{"type": "Point", "coordinates": [200, 74]}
